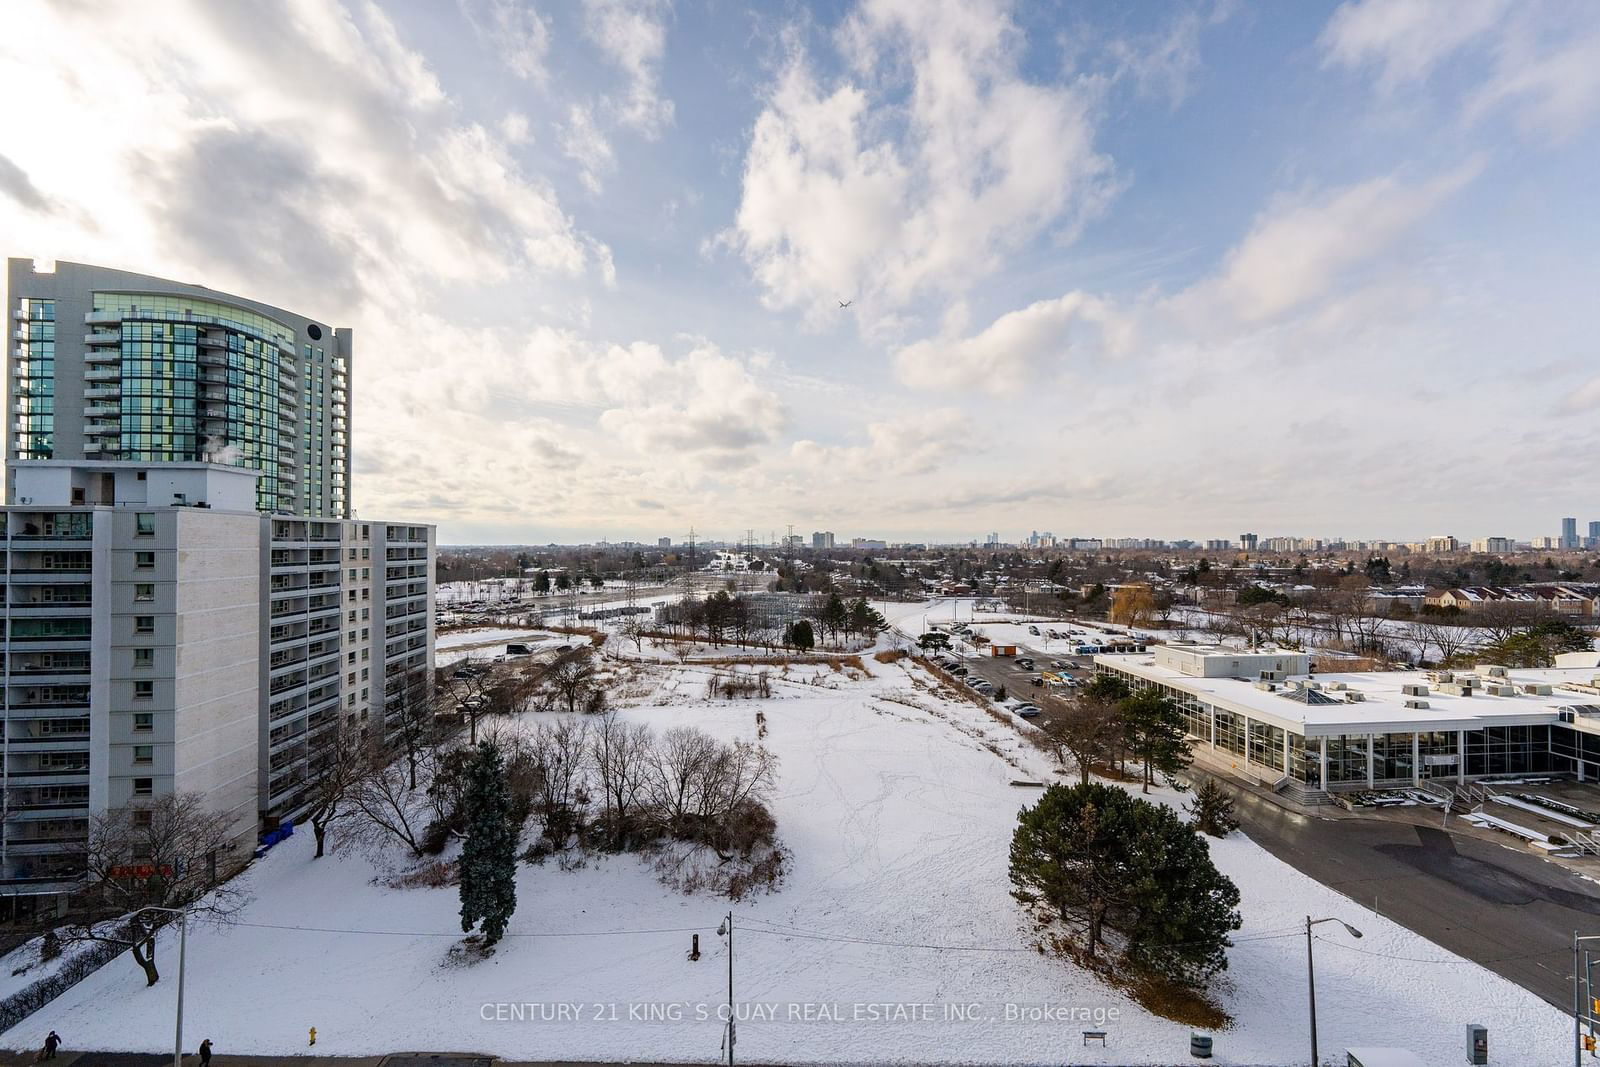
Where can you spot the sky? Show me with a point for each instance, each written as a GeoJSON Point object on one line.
{"type": "Point", "coordinates": [1111, 269]}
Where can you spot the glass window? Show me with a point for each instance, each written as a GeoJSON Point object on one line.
{"type": "Point", "coordinates": [144, 560]}
{"type": "Point", "coordinates": [144, 624]}
{"type": "Point", "coordinates": [144, 754]}
{"type": "Point", "coordinates": [144, 524]}
{"type": "Point", "coordinates": [144, 720]}
{"type": "Point", "coordinates": [143, 787]}
{"type": "Point", "coordinates": [144, 690]}
{"type": "Point", "coordinates": [144, 591]}
{"type": "Point", "coordinates": [144, 657]}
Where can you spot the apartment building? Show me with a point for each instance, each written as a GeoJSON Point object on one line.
{"type": "Point", "coordinates": [112, 365]}
{"type": "Point", "coordinates": [161, 635]}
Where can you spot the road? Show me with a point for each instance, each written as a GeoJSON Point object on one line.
{"type": "Point", "coordinates": [1505, 909]}
{"type": "Point", "coordinates": [1512, 912]}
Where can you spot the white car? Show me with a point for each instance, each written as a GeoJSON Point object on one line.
{"type": "Point", "coordinates": [1027, 711]}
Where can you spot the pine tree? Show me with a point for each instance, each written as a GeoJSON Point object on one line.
{"type": "Point", "coordinates": [1211, 810]}
{"type": "Point", "coordinates": [1096, 856]}
{"type": "Point", "coordinates": [1155, 730]}
{"type": "Point", "coordinates": [489, 854]}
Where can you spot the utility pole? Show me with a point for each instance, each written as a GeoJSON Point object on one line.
{"type": "Point", "coordinates": [728, 1038]}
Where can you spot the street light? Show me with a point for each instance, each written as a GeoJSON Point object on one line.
{"type": "Point", "coordinates": [1311, 976]}
{"type": "Point", "coordinates": [183, 937]}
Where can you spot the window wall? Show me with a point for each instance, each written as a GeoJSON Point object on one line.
{"type": "Point", "coordinates": [34, 380]}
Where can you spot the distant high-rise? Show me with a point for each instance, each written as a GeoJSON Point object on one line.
{"type": "Point", "coordinates": [1594, 536]}
{"type": "Point", "coordinates": [663, 543]}
{"type": "Point", "coordinates": [110, 365]}
{"type": "Point", "coordinates": [822, 539]}
{"type": "Point", "coordinates": [1248, 541]}
{"type": "Point", "coordinates": [1569, 533]}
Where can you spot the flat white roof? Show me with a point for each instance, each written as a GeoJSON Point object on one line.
{"type": "Point", "coordinates": [1382, 707]}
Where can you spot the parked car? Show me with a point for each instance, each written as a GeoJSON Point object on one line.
{"type": "Point", "coordinates": [1024, 663]}
{"type": "Point", "coordinates": [1027, 711]}
{"type": "Point", "coordinates": [1060, 664]}
{"type": "Point", "coordinates": [518, 650]}
{"type": "Point", "coordinates": [1034, 630]}
{"type": "Point", "coordinates": [958, 670]}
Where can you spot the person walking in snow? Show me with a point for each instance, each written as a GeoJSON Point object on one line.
{"type": "Point", "coordinates": [205, 1053]}
{"type": "Point", "coordinates": [51, 1043]}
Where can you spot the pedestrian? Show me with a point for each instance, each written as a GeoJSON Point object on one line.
{"type": "Point", "coordinates": [51, 1043]}
{"type": "Point", "coordinates": [205, 1053]}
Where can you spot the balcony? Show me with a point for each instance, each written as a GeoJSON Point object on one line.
{"type": "Point", "coordinates": [103, 337]}
{"type": "Point", "coordinates": [103, 355]}
{"type": "Point", "coordinates": [98, 392]}
{"type": "Point", "coordinates": [102, 318]}
{"type": "Point", "coordinates": [103, 374]}
{"type": "Point", "coordinates": [102, 411]}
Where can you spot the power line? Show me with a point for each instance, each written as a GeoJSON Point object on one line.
{"type": "Point", "coordinates": [779, 930]}
{"type": "Point", "coordinates": [457, 934]}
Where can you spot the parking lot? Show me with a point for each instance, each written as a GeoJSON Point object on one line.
{"type": "Point", "coordinates": [1053, 655]}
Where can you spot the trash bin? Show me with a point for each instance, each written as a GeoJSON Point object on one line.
{"type": "Point", "coordinates": [1477, 1043]}
{"type": "Point", "coordinates": [1200, 1046]}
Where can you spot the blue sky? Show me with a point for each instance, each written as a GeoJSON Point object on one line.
{"type": "Point", "coordinates": [1118, 269]}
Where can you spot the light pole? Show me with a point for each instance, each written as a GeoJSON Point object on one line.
{"type": "Point", "coordinates": [1311, 976]}
{"type": "Point", "coordinates": [727, 929]}
{"type": "Point", "coordinates": [183, 937]}
{"type": "Point", "coordinates": [1578, 1014]}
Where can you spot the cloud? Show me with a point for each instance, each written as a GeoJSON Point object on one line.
{"type": "Point", "coordinates": [516, 31]}
{"type": "Point", "coordinates": [633, 35]}
{"type": "Point", "coordinates": [1407, 39]}
{"type": "Point", "coordinates": [1163, 65]}
{"type": "Point", "coordinates": [1540, 62]}
{"type": "Point", "coordinates": [1585, 398]}
{"type": "Point", "coordinates": [900, 447]}
{"type": "Point", "coordinates": [15, 183]}
{"type": "Point", "coordinates": [706, 405]}
{"type": "Point", "coordinates": [918, 171]}
{"type": "Point", "coordinates": [1302, 246]}
{"type": "Point", "coordinates": [1018, 348]}
{"type": "Point", "coordinates": [583, 143]}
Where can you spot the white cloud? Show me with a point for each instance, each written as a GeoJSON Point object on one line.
{"type": "Point", "coordinates": [516, 30]}
{"type": "Point", "coordinates": [1584, 398]}
{"type": "Point", "coordinates": [899, 447]}
{"type": "Point", "coordinates": [1164, 64]}
{"type": "Point", "coordinates": [1541, 62]}
{"type": "Point", "coordinates": [707, 404]}
{"type": "Point", "coordinates": [1301, 247]}
{"type": "Point", "coordinates": [633, 35]}
{"type": "Point", "coordinates": [583, 143]}
{"type": "Point", "coordinates": [1407, 39]}
{"type": "Point", "coordinates": [1029, 346]}
{"type": "Point", "coordinates": [888, 187]}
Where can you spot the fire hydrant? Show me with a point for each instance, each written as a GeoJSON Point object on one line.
{"type": "Point", "coordinates": [313, 1035]}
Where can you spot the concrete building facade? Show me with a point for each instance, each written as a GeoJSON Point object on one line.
{"type": "Point", "coordinates": [160, 635]}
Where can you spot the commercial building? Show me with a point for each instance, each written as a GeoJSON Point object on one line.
{"type": "Point", "coordinates": [1569, 533]}
{"type": "Point", "coordinates": [161, 635]}
{"type": "Point", "coordinates": [822, 539]}
{"type": "Point", "coordinates": [108, 365]}
{"type": "Point", "coordinates": [1264, 715]}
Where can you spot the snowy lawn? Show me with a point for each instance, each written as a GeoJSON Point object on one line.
{"type": "Point", "coordinates": [893, 939]}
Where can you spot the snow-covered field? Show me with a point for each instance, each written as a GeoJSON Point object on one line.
{"type": "Point", "coordinates": [893, 938]}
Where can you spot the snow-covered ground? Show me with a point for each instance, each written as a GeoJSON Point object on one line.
{"type": "Point", "coordinates": [488, 642]}
{"type": "Point", "coordinates": [893, 939]}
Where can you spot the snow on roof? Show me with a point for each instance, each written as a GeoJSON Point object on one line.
{"type": "Point", "coordinates": [1380, 703]}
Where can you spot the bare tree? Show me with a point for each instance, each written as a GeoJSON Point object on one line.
{"type": "Point", "coordinates": [163, 854]}
{"type": "Point", "coordinates": [388, 806]}
{"type": "Point", "coordinates": [336, 782]}
{"type": "Point", "coordinates": [620, 753]}
{"type": "Point", "coordinates": [571, 677]}
{"type": "Point", "coordinates": [1449, 640]}
{"type": "Point", "coordinates": [1086, 728]}
{"type": "Point", "coordinates": [411, 721]}
{"type": "Point", "coordinates": [559, 752]}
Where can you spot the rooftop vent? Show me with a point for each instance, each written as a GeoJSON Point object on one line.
{"type": "Point", "coordinates": [1414, 690]}
{"type": "Point", "coordinates": [1417, 705]}
{"type": "Point", "coordinates": [1354, 696]}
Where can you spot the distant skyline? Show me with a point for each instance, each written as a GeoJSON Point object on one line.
{"type": "Point", "coordinates": [1111, 270]}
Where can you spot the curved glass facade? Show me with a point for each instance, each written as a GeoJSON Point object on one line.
{"type": "Point", "coordinates": [200, 381]}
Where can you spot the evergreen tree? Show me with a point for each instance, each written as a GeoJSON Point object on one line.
{"type": "Point", "coordinates": [1211, 810]}
{"type": "Point", "coordinates": [489, 854]}
{"type": "Point", "coordinates": [835, 617]}
{"type": "Point", "coordinates": [1155, 731]}
{"type": "Point", "coordinates": [800, 635]}
{"type": "Point", "coordinates": [541, 584]}
{"type": "Point", "coordinates": [1096, 856]}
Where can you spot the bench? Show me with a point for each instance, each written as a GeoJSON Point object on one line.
{"type": "Point", "coordinates": [1094, 1035]}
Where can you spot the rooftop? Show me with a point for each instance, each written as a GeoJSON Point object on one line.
{"type": "Point", "coordinates": [1387, 701]}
